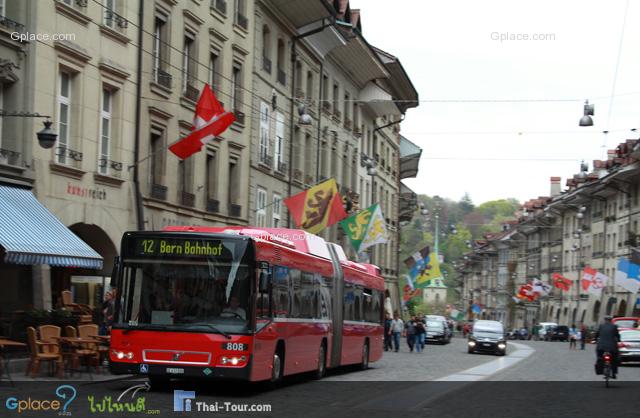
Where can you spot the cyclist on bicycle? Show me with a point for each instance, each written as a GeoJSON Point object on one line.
{"type": "Point", "coordinates": [608, 338]}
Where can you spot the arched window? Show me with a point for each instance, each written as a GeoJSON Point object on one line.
{"type": "Point", "coordinates": [596, 311]}
{"type": "Point", "coordinates": [266, 49]}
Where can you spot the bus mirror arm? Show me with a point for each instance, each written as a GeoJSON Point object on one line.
{"type": "Point", "coordinates": [115, 272]}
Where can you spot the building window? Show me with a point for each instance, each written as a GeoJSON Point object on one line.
{"type": "Point", "coordinates": [264, 133]}
{"type": "Point", "coordinates": [159, 51]}
{"type": "Point", "coordinates": [241, 14]}
{"type": "Point", "coordinates": [105, 131]}
{"type": "Point", "coordinates": [278, 152]}
{"type": "Point", "coordinates": [109, 12]}
{"type": "Point", "coordinates": [214, 70]}
{"type": "Point", "coordinates": [236, 86]}
{"type": "Point", "coordinates": [3, 9]}
{"type": "Point", "coordinates": [234, 182]}
{"type": "Point", "coordinates": [281, 76]}
{"type": "Point", "coordinates": [261, 205]}
{"type": "Point", "coordinates": [64, 116]}
{"type": "Point", "coordinates": [276, 208]}
{"type": "Point", "coordinates": [309, 154]}
{"type": "Point", "coordinates": [188, 68]}
{"type": "Point", "coordinates": [212, 175]}
{"type": "Point", "coordinates": [309, 85]}
{"type": "Point", "coordinates": [336, 98]}
{"type": "Point", "coordinates": [266, 49]}
{"type": "Point", "coordinates": [157, 158]}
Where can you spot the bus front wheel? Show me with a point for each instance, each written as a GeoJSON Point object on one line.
{"type": "Point", "coordinates": [276, 371]}
{"type": "Point", "coordinates": [322, 363]}
{"type": "Point", "coordinates": [365, 356]}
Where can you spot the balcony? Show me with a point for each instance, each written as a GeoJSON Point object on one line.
{"type": "Point", "coordinates": [114, 20]}
{"type": "Point", "coordinates": [219, 5]}
{"type": "Point", "coordinates": [266, 160]}
{"type": "Point", "coordinates": [190, 92]}
{"type": "Point", "coordinates": [163, 78]}
{"type": "Point", "coordinates": [63, 152]}
{"type": "Point", "coordinates": [282, 77]}
{"type": "Point", "coordinates": [326, 108]}
{"type": "Point", "coordinates": [242, 21]}
{"type": "Point", "coordinates": [235, 210]}
{"type": "Point", "coordinates": [299, 94]}
{"type": "Point", "coordinates": [11, 25]}
{"type": "Point", "coordinates": [239, 117]}
{"type": "Point", "coordinates": [281, 167]}
{"type": "Point", "coordinates": [9, 157]}
{"type": "Point", "coordinates": [106, 165]}
{"type": "Point", "coordinates": [347, 124]}
{"type": "Point", "coordinates": [158, 191]}
{"type": "Point", "coordinates": [266, 64]}
{"type": "Point", "coordinates": [337, 115]}
{"type": "Point", "coordinates": [187, 199]}
{"type": "Point", "coordinates": [213, 205]}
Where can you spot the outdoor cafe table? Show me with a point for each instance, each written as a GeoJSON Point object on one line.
{"type": "Point", "coordinates": [4, 359]}
{"type": "Point", "coordinates": [74, 341]}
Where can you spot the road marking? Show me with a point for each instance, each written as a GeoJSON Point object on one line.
{"type": "Point", "coordinates": [487, 369]}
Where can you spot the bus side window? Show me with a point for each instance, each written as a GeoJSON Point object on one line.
{"type": "Point", "coordinates": [325, 297]}
{"type": "Point", "coordinates": [296, 294]}
{"type": "Point", "coordinates": [357, 304]}
{"type": "Point", "coordinates": [280, 293]}
{"type": "Point", "coordinates": [349, 300]}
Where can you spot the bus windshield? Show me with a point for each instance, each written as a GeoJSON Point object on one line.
{"type": "Point", "coordinates": [186, 284]}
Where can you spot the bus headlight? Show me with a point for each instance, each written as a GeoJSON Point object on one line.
{"type": "Point", "coordinates": [233, 361]}
{"type": "Point", "coordinates": [121, 355]}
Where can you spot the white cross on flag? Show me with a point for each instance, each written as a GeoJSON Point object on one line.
{"type": "Point", "coordinates": [209, 121]}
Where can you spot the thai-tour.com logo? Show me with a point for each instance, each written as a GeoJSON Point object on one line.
{"type": "Point", "coordinates": [185, 401]}
{"type": "Point", "coordinates": [63, 396]}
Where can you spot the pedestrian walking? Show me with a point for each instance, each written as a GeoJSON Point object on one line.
{"type": "Point", "coordinates": [410, 332]}
{"type": "Point", "coordinates": [397, 326]}
{"type": "Point", "coordinates": [421, 330]}
{"type": "Point", "coordinates": [583, 335]}
{"type": "Point", "coordinates": [387, 332]}
{"type": "Point", "coordinates": [108, 307]}
{"type": "Point", "coordinates": [573, 336]}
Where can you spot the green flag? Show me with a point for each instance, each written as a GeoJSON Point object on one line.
{"type": "Point", "coordinates": [366, 228]}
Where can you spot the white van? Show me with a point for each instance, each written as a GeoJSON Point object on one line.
{"type": "Point", "coordinates": [545, 328]}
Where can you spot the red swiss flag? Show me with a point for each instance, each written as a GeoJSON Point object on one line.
{"type": "Point", "coordinates": [210, 121]}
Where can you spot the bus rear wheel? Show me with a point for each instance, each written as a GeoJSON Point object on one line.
{"type": "Point", "coordinates": [322, 363]}
{"type": "Point", "coordinates": [365, 356]}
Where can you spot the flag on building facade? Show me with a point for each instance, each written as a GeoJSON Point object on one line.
{"type": "Point", "coordinates": [209, 121]}
{"type": "Point", "coordinates": [430, 271]}
{"type": "Point", "coordinates": [317, 208]}
{"type": "Point", "coordinates": [541, 288]}
{"type": "Point", "coordinates": [366, 228]}
{"type": "Point", "coordinates": [526, 292]}
{"type": "Point", "coordinates": [628, 275]}
{"type": "Point", "coordinates": [416, 262]}
{"type": "Point", "coordinates": [456, 314]}
{"type": "Point", "coordinates": [561, 282]}
{"type": "Point", "coordinates": [593, 281]}
{"type": "Point", "coordinates": [475, 308]}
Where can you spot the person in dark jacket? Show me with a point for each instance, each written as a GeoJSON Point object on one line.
{"type": "Point", "coordinates": [608, 338]}
{"type": "Point", "coordinates": [387, 332]}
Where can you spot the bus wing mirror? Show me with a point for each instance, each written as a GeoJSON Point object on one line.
{"type": "Point", "coordinates": [115, 272]}
{"type": "Point", "coordinates": [265, 279]}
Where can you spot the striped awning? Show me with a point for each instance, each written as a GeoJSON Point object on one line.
{"type": "Point", "coordinates": [30, 234]}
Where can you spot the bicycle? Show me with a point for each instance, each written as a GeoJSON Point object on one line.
{"type": "Point", "coordinates": [606, 368]}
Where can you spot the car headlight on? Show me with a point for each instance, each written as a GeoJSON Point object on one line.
{"type": "Point", "coordinates": [472, 343]}
{"type": "Point", "coordinates": [502, 346]}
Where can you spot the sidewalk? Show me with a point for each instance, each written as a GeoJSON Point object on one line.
{"type": "Point", "coordinates": [18, 366]}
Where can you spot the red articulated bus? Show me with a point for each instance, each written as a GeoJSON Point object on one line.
{"type": "Point", "coordinates": [241, 303]}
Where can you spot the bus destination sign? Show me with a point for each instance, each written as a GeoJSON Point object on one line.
{"type": "Point", "coordinates": [162, 247]}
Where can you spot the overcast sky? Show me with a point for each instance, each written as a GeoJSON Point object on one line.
{"type": "Point", "coordinates": [448, 50]}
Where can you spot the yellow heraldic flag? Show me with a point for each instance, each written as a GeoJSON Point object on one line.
{"type": "Point", "coordinates": [317, 208]}
{"type": "Point", "coordinates": [431, 271]}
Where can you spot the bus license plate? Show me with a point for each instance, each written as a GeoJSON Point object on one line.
{"type": "Point", "coordinates": [235, 346]}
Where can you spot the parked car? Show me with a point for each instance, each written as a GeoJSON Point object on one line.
{"type": "Point", "coordinates": [560, 333]}
{"type": "Point", "coordinates": [437, 331]}
{"type": "Point", "coordinates": [626, 321]}
{"type": "Point", "coordinates": [487, 337]}
{"type": "Point", "coordinates": [545, 327]}
{"type": "Point", "coordinates": [629, 345]}
{"type": "Point", "coordinates": [523, 334]}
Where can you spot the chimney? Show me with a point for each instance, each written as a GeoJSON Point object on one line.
{"type": "Point", "coordinates": [611, 154]}
{"type": "Point", "coordinates": [555, 186]}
